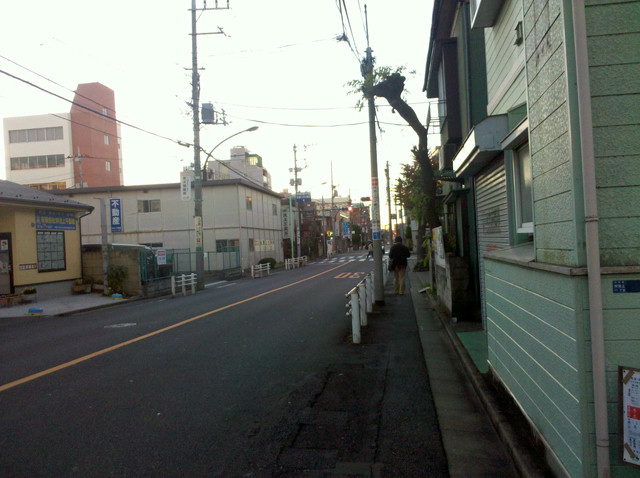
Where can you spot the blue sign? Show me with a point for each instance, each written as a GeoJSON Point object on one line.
{"type": "Point", "coordinates": [55, 220]}
{"type": "Point", "coordinates": [626, 286]}
{"type": "Point", "coordinates": [303, 196]}
{"type": "Point", "coordinates": [376, 236]}
{"type": "Point", "coordinates": [345, 229]}
{"type": "Point", "coordinates": [116, 214]}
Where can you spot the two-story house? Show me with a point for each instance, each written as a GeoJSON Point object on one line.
{"type": "Point", "coordinates": [561, 289]}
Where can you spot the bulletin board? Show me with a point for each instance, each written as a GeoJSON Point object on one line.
{"type": "Point", "coordinates": [629, 416]}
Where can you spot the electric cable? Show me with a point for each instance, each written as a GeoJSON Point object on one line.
{"type": "Point", "coordinates": [181, 143]}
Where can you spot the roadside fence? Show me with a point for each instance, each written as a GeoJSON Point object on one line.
{"type": "Point", "coordinates": [182, 282]}
{"type": "Point", "coordinates": [359, 304]}
{"type": "Point", "coordinates": [295, 262]}
{"type": "Point", "coordinates": [259, 269]}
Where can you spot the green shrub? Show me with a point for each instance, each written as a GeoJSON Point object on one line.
{"type": "Point", "coordinates": [268, 260]}
{"type": "Point", "coordinates": [115, 278]}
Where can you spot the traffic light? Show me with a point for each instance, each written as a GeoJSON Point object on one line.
{"type": "Point", "coordinates": [350, 208]}
{"type": "Point", "coordinates": [365, 198]}
{"type": "Point", "coordinates": [329, 233]}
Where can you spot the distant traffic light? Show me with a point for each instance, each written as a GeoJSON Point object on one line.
{"type": "Point", "coordinates": [365, 198]}
{"type": "Point", "coordinates": [350, 208]}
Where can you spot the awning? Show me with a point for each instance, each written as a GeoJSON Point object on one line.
{"type": "Point", "coordinates": [481, 145]}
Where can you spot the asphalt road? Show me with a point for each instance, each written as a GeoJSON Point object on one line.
{"type": "Point", "coordinates": [203, 385]}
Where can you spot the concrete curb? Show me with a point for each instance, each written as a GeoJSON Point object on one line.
{"type": "Point", "coordinates": [526, 465]}
{"type": "Point", "coordinates": [524, 462]}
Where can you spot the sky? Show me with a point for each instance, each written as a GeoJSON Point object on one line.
{"type": "Point", "coordinates": [277, 66]}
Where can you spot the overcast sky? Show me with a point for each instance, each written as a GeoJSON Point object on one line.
{"type": "Point", "coordinates": [278, 67]}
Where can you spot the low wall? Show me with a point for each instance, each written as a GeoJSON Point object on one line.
{"type": "Point", "coordinates": [452, 285]}
{"type": "Point", "coordinates": [128, 258]}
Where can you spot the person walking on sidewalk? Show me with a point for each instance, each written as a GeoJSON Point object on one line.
{"type": "Point", "coordinates": [398, 255]}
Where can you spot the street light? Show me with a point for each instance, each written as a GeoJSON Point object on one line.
{"type": "Point", "coordinates": [204, 168]}
{"type": "Point", "coordinates": [197, 187]}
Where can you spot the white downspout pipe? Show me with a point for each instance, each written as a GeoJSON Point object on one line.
{"type": "Point", "coordinates": [592, 238]}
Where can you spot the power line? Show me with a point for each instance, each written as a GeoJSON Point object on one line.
{"type": "Point", "coordinates": [338, 125]}
{"type": "Point", "coordinates": [181, 143]}
{"type": "Point", "coordinates": [52, 81]}
{"type": "Point", "coordinates": [279, 47]}
{"type": "Point", "coordinates": [353, 37]}
{"type": "Point", "coordinates": [84, 125]}
{"type": "Point", "coordinates": [329, 108]}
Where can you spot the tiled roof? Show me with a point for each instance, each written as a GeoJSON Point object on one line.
{"type": "Point", "coordinates": [16, 193]}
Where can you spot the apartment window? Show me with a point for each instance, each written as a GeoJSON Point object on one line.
{"type": "Point", "coordinates": [522, 187]}
{"type": "Point", "coordinates": [249, 202]}
{"type": "Point", "coordinates": [227, 245]}
{"type": "Point", "coordinates": [35, 134]}
{"type": "Point", "coordinates": [107, 165]}
{"type": "Point", "coordinates": [50, 249]}
{"type": "Point", "coordinates": [106, 139]}
{"type": "Point", "coordinates": [104, 111]}
{"type": "Point", "coordinates": [274, 209]}
{"type": "Point", "coordinates": [35, 162]}
{"type": "Point", "coordinates": [149, 205]}
{"type": "Point", "coordinates": [48, 186]}
{"type": "Point", "coordinates": [252, 247]}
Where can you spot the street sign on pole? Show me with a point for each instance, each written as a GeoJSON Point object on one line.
{"type": "Point", "coordinates": [116, 214]}
{"type": "Point", "coordinates": [198, 221]}
{"type": "Point", "coordinates": [185, 186]}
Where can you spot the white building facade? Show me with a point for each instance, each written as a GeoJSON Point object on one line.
{"type": "Point", "coordinates": [242, 164]}
{"type": "Point", "coordinates": [236, 215]}
{"type": "Point", "coordinates": [38, 149]}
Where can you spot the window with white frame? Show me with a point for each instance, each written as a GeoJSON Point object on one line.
{"type": "Point", "coordinates": [107, 165]}
{"type": "Point", "coordinates": [106, 139]}
{"type": "Point", "coordinates": [522, 188]}
{"type": "Point", "coordinates": [149, 205]}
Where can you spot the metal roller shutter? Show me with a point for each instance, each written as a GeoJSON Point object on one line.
{"type": "Point", "coordinates": [492, 218]}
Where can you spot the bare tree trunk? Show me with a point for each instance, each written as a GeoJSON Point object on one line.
{"type": "Point", "coordinates": [391, 90]}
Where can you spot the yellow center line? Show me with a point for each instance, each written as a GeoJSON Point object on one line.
{"type": "Point", "coordinates": [84, 358]}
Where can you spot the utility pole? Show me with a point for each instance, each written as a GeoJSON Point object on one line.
{"type": "Point", "coordinates": [378, 285]}
{"type": "Point", "coordinates": [295, 179]}
{"type": "Point", "coordinates": [389, 204]}
{"type": "Point", "coordinates": [195, 105]}
{"type": "Point", "coordinates": [332, 196]}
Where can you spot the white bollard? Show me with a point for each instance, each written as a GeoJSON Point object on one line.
{"type": "Point", "coordinates": [355, 318]}
{"type": "Point", "coordinates": [369, 283]}
{"type": "Point", "coordinates": [362, 293]}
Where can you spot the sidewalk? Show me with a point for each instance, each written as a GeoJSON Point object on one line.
{"type": "Point", "coordinates": [61, 305]}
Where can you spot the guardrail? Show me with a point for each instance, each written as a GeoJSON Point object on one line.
{"type": "Point", "coordinates": [359, 304]}
{"type": "Point", "coordinates": [259, 269]}
{"type": "Point", "coordinates": [295, 262]}
{"type": "Point", "coordinates": [182, 282]}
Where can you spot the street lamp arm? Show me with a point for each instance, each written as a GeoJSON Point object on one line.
{"type": "Point", "coordinates": [210, 153]}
